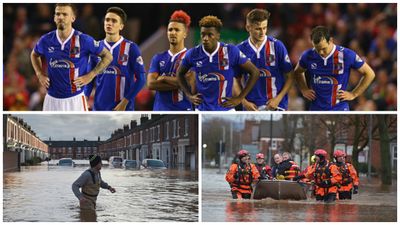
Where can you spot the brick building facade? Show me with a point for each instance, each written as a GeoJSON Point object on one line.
{"type": "Point", "coordinates": [170, 138]}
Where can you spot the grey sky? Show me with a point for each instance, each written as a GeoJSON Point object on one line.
{"type": "Point", "coordinates": [80, 126]}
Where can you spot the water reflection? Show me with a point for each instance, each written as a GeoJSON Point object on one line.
{"type": "Point", "coordinates": [43, 193]}
{"type": "Point", "coordinates": [373, 204]}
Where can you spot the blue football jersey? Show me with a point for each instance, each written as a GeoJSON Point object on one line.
{"type": "Point", "coordinates": [166, 64]}
{"type": "Point", "coordinates": [123, 78]}
{"type": "Point", "coordinates": [329, 75]}
{"type": "Point", "coordinates": [273, 61]}
{"type": "Point", "coordinates": [66, 60]}
{"type": "Point", "coordinates": [214, 73]}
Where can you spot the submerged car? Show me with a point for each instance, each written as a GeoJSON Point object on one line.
{"type": "Point", "coordinates": [66, 162]}
{"type": "Point", "coordinates": [130, 164]}
{"type": "Point", "coordinates": [115, 161]}
{"type": "Point", "coordinates": [153, 164]}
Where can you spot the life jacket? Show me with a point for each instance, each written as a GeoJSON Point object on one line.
{"type": "Point", "coordinates": [245, 174]}
{"type": "Point", "coordinates": [345, 172]}
{"type": "Point", "coordinates": [264, 170]}
{"type": "Point", "coordinates": [322, 173]}
{"type": "Point", "coordinates": [292, 172]}
{"type": "Point", "coordinates": [92, 189]}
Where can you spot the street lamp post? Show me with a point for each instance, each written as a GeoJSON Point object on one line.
{"type": "Point", "coordinates": [204, 155]}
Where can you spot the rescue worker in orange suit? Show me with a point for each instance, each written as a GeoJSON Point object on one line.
{"type": "Point", "coordinates": [349, 182]}
{"type": "Point", "coordinates": [241, 175]}
{"type": "Point", "coordinates": [288, 168]}
{"type": "Point", "coordinates": [326, 177]}
{"type": "Point", "coordinates": [264, 170]}
{"type": "Point", "coordinates": [309, 168]}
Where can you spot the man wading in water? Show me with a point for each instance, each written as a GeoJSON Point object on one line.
{"type": "Point", "coordinates": [90, 181]}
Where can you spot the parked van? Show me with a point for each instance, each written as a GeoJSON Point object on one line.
{"type": "Point", "coordinates": [115, 161]}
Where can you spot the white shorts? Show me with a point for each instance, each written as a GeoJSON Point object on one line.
{"type": "Point", "coordinates": [75, 103]}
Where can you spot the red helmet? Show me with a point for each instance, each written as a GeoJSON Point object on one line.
{"type": "Point", "coordinates": [321, 152]}
{"type": "Point", "coordinates": [242, 153]}
{"type": "Point", "coordinates": [260, 156]}
{"type": "Point", "coordinates": [339, 153]}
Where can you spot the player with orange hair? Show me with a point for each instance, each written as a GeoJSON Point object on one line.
{"type": "Point", "coordinates": [162, 73]}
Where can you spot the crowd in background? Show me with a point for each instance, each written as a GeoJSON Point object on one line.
{"type": "Point", "coordinates": [368, 29]}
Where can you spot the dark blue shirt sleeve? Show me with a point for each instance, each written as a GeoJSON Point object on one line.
{"type": "Point", "coordinates": [136, 80]}
{"type": "Point", "coordinates": [284, 61]}
{"type": "Point", "coordinates": [355, 61]}
{"type": "Point", "coordinates": [155, 65]}
{"type": "Point", "coordinates": [187, 60]}
{"type": "Point", "coordinates": [40, 46]}
{"type": "Point", "coordinates": [303, 60]}
{"type": "Point", "coordinates": [93, 47]}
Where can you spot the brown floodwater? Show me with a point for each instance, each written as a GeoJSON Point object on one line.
{"type": "Point", "coordinates": [42, 193]}
{"type": "Point", "coordinates": [374, 203]}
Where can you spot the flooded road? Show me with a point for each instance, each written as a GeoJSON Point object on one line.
{"type": "Point", "coordinates": [42, 193]}
{"type": "Point", "coordinates": [372, 204]}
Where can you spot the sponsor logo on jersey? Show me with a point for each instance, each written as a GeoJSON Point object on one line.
{"type": "Point", "coordinates": [210, 77]}
{"type": "Point", "coordinates": [112, 70]}
{"type": "Point", "coordinates": [324, 80]}
{"type": "Point", "coordinates": [61, 64]}
{"type": "Point", "coordinates": [265, 73]}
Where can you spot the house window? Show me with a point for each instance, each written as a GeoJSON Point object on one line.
{"type": "Point", "coordinates": [186, 127]}
{"type": "Point", "coordinates": [166, 131]}
{"type": "Point", "coordinates": [158, 132]}
{"type": "Point", "coordinates": [174, 128]}
{"type": "Point", "coordinates": [394, 156]}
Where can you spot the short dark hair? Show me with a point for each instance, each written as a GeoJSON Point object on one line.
{"type": "Point", "coordinates": [320, 33]}
{"type": "Point", "coordinates": [211, 21]}
{"type": "Point", "coordinates": [73, 7]}
{"type": "Point", "coordinates": [257, 15]}
{"type": "Point", "coordinates": [120, 12]}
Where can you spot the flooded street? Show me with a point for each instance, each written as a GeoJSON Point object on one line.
{"type": "Point", "coordinates": [372, 204]}
{"type": "Point", "coordinates": [42, 193]}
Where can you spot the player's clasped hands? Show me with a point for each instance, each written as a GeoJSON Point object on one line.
{"type": "Point", "coordinates": [195, 99]}
{"type": "Point", "coordinates": [83, 80]}
{"type": "Point", "coordinates": [231, 102]}
{"type": "Point", "coordinates": [309, 94]}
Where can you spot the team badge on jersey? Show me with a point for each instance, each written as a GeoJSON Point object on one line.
{"type": "Point", "coordinates": [139, 60]}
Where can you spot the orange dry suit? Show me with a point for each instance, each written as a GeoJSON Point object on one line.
{"type": "Point", "coordinates": [240, 176]}
{"type": "Point", "coordinates": [349, 176]}
{"type": "Point", "coordinates": [326, 177]}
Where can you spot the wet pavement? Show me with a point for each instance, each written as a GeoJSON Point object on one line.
{"type": "Point", "coordinates": [374, 203]}
{"type": "Point", "coordinates": [42, 193]}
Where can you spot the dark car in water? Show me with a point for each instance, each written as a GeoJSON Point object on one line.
{"type": "Point", "coordinates": [130, 164]}
{"type": "Point", "coordinates": [66, 162]}
{"type": "Point", "coordinates": [153, 164]}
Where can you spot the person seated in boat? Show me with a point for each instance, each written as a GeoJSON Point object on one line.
{"type": "Point", "coordinates": [277, 160]}
{"type": "Point", "coordinates": [326, 177]}
{"type": "Point", "coordinates": [288, 168]}
{"type": "Point", "coordinates": [264, 170]}
{"type": "Point", "coordinates": [241, 175]}
{"type": "Point", "coordinates": [349, 182]}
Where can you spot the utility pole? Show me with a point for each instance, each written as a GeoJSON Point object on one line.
{"type": "Point", "coordinates": [270, 141]}
{"type": "Point", "coordinates": [369, 147]}
{"type": "Point", "coordinates": [222, 140]}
